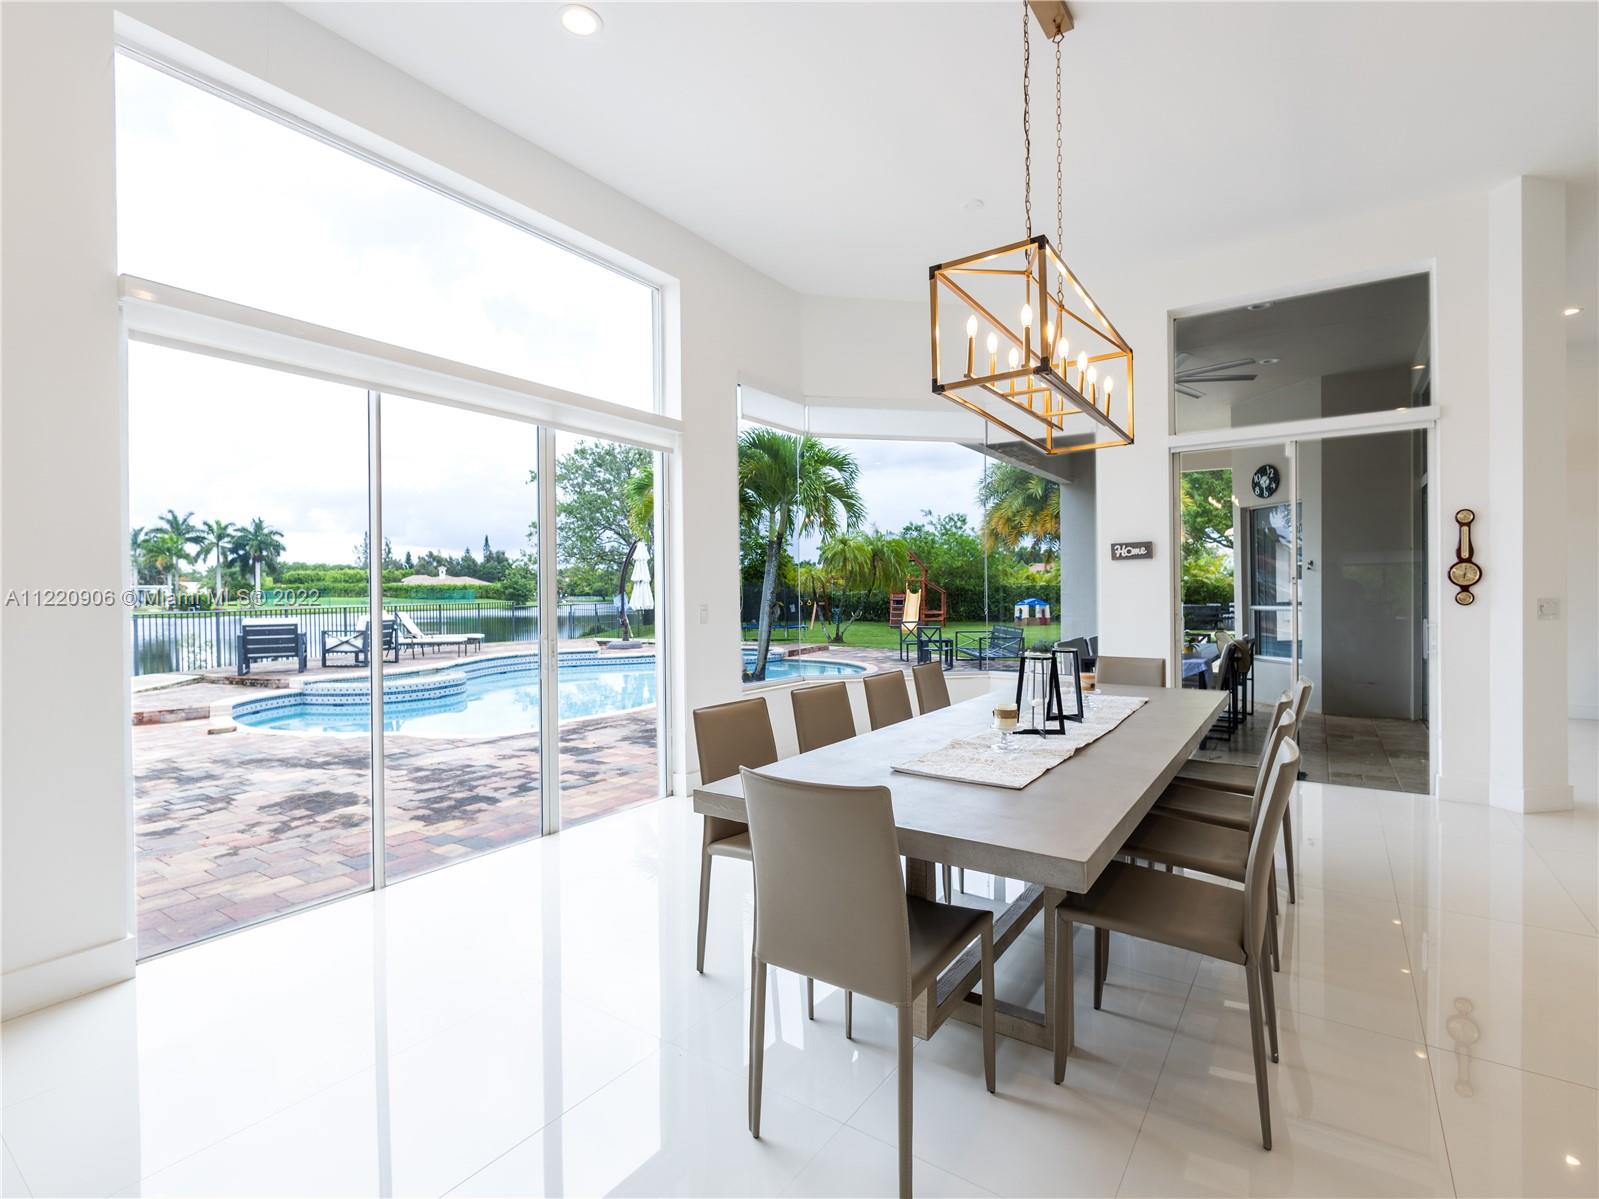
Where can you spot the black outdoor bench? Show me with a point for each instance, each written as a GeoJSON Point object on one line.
{"type": "Point", "coordinates": [1001, 643]}
{"type": "Point", "coordinates": [269, 641]}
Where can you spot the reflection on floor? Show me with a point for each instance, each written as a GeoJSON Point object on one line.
{"type": "Point", "coordinates": [530, 1023]}
{"type": "Point", "coordinates": [1387, 755]}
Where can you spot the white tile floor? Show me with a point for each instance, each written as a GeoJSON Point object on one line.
{"type": "Point", "coordinates": [531, 1023]}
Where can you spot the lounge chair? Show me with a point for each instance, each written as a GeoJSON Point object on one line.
{"type": "Point", "coordinates": [269, 641]}
{"type": "Point", "coordinates": [413, 638]}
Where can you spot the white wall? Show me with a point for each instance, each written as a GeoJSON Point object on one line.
{"type": "Point", "coordinates": [66, 822]}
{"type": "Point", "coordinates": [1451, 236]}
{"type": "Point", "coordinates": [1582, 530]}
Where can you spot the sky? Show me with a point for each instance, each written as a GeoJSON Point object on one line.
{"type": "Point", "coordinates": [222, 201]}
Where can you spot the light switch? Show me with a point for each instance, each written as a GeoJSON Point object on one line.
{"type": "Point", "coordinates": [1548, 609]}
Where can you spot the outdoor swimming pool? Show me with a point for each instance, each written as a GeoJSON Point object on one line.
{"type": "Point", "coordinates": [493, 696]}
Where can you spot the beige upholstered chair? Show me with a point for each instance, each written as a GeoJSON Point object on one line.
{"type": "Point", "coordinates": [1135, 672]}
{"type": "Point", "coordinates": [831, 903]}
{"type": "Point", "coordinates": [888, 699]}
{"type": "Point", "coordinates": [932, 689]}
{"type": "Point", "coordinates": [1221, 792]}
{"type": "Point", "coordinates": [729, 736]}
{"type": "Point", "coordinates": [822, 715]}
{"type": "Point", "coordinates": [1189, 913]}
{"type": "Point", "coordinates": [1182, 844]}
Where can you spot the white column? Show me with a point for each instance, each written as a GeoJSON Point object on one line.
{"type": "Point", "coordinates": [67, 824]}
{"type": "Point", "coordinates": [1079, 549]}
{"type": "Point", "coordinates": [1520, 533]}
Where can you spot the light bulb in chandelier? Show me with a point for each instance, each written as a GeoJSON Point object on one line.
{"type": "Point", "coordinates": [1082, 369]}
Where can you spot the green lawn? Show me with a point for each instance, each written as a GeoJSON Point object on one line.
{"type": "Point", "coordinates": [881, 635]}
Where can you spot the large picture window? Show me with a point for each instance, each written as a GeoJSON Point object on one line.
{"type": "Point", "coordinates": [848, 543]}
{"type": "Point", "coordinates": [219, 199]}
{"type": "Point", "coordinates": [373, 634]}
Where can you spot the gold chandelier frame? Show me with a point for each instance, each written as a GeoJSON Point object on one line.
{"type": "Point", "coordinates": [1038, 390]}
{"type": "Point", "coordinates": [1052, 336]}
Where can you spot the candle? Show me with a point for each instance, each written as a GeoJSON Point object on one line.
{"type": "Point", "coordinates": [993, 350]}
{"type": "Point", "coordinates": [971, 343]}
{"type": "Point", "coordinates": [1061, 356]}
{"type": "Point", "coordinates": [1108, 382]}
{"type": "Point", "coordinates": [1093, 374]}
{"type": "Point", "coordinates": [1015, 361]}
{"type": "Point", "coordinates": [1082, 370]}
{"type": "Point", "coordinates": [1027, 329]}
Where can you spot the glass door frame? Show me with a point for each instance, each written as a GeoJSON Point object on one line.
{"type": "Point", "coordinates": [1289, 436]}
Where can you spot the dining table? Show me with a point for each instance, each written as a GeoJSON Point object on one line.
{"type": "Point", "coordinates": [1054, 836]}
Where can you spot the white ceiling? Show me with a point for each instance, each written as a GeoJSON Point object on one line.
{"type": "Point", "coordinates": [836, 146]}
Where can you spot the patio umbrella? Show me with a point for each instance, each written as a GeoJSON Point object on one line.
{"type": "Point", "coordinates": [641, 597]}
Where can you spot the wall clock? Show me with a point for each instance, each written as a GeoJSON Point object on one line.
{"type": "Point", "coordinates": [1265, 480]}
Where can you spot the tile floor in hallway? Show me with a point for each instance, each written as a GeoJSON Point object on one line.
{"type": "Point", "coordinates": [530, 1022]}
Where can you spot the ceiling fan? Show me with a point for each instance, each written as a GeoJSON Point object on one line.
{"type": "Point", "coordinates": [1216, 372]}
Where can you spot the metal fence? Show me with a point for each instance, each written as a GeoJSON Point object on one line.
{"type": "Point", "coordinates": [1204, 617]}
{"type": "Point", "coordinates": [176, 641]}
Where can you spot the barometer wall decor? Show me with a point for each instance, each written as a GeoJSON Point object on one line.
{"type": "Point", "coordinates": [1465, 573]}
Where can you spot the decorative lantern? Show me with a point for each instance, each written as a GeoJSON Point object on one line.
{"type": "Point", "coordinates": [1039, 711]}
{"type": "Point", "coordinates": [1069, 668]}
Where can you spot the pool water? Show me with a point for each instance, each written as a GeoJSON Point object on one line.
{"type": "Point", "coordinates": [486, 698]}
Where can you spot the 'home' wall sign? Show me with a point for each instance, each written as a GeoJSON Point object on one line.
{"type": "Point", "coordinates": [1123, 551]}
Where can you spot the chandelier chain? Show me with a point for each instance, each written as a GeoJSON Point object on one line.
{"type": "Point", "coordinates": [1027, 117]}
{"type": "Point", "coordinates": [1060, 170]}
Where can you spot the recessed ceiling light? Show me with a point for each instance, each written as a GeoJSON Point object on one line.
{"type": "Point", "coordinates": [1268, 361]}
{"type": "Point", "coordinates": [1420, 366]}
{"type": "Point", "coordinates": [1259, 307]}
{"type": "Point", "coordinates": [1572, 311]}
{"type": "Point", "coordinates": [1573, 1160]}
{"type": "Point", "coordinates": [581, 20]}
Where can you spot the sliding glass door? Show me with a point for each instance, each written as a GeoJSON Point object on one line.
{"type": "Point", "coordinates": [462, 763]}
{"type": "Point", "coordinates": [292, 540]}
{"type": "Point", "coordinates": [609, 647]}
{"type": "Point", "coordinates": [248, 510]}
{"type": "Point", "coordinates": [1314, 552]}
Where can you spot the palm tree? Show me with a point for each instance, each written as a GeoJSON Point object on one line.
{"type": "Point", "coordinates": [1020, 509]}
{"type": "Point", "coordinates": [789, 485]}
{"type": "Point", "coordinates": [216, 536]}
{"type": "Point", "coordinates": [166, 551]}
{"type": "Point", "coordinates": [863, 562]}
{"type": "Point", "coordinates": [136, 550]}
{"type": "Point", "coordinates": [255, 544]}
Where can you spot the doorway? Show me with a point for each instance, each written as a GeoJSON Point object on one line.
{"type": "Point", "coordinates": [1310, 553]}
{"type": "Point", "coordinates": [1301, 430]}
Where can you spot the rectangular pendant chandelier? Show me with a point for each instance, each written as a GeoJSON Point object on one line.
{"type": "Point", "coordinates": [1017, 340]}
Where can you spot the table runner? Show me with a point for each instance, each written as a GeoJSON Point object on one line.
{"type": "Point", "coordinates": [975, 760]}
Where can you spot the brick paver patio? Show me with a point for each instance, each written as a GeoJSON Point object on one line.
{"type": "Point", "coordinates": [235, 827]}
{"type": "Point", "coordinates": [238, 826]}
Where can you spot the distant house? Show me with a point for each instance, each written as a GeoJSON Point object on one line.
{"type": "Point", "coordinates": [443, 580]}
